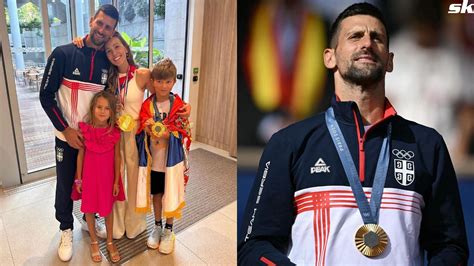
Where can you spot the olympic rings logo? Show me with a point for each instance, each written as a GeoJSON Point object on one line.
{"type": "Point", "coordinates": [402, 154]}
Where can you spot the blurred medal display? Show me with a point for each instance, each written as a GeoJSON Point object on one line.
{"type": "Point", "coordinates": [371, 240]}
{"type": "Point", "coordinates": [158, 129]}
{"type": "Point", "coordinates": [126, 123]}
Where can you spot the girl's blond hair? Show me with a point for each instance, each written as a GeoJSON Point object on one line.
{"type": "Point", "coordinates": [112, 104]}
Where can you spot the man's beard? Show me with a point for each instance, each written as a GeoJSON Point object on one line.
{"type": "Point", "coordinates": [97, 42]}
{"type": "Point", "coordinates": [364, 75]}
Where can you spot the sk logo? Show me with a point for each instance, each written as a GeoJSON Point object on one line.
{"type": "Point", "coordinates": [404, 170]}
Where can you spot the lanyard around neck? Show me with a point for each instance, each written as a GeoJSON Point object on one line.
{"type": "Point", "coordinates": [122, 89]}
{"type": "Point", "coordinates": [157, 113]}
{"type": "Point", "coordinates": [369, 212]}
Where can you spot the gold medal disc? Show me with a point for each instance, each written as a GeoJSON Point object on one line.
{"type": "Point", "coordinates": [371, 240]}
{"type": "Point", "coordinates": [158, 129]}
{"type": "Point", "coordinates": [126, 123]}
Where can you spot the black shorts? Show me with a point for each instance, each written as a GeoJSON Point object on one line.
{"type": "Point", "coordinates": [157, 184]}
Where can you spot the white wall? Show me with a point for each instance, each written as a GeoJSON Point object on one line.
{"type": "Point", "coordinates": [191, 92]}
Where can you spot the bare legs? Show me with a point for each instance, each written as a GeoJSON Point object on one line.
{"type": "Point", "coordinates": [157, 208]}
{"type": "Point", "coordinates": [109, 222]}
{"type": "Point", "coordinates": [95, 254]}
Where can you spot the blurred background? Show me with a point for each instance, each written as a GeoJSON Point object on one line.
{"type": "Point", "coordinates": [282, 79]}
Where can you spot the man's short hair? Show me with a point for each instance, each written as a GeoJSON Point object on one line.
{"type": "Point", "coordinates": [353, 10]}
{"type": "Point", "coordinates": [109, 10]}
{"type": "Point", "coordinates": [164, 69]}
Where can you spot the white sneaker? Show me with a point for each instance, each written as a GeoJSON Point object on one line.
{"type": "Point", "coordinates": [65, 246]}
{"type": "Point", "coordinates": [154, 238]}
{"type": "Point", "coordinates": [167, 241]}
{"type": "Point", "coordinates": [100, 229]}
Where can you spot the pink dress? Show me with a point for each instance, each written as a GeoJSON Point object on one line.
{"type": "Point", "coordinates": [98, 170]}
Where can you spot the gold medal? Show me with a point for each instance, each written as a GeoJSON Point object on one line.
{"type": "Point", "coordinates": [371, 240]}
{"type": "Point", "coordinates": [126, 123]}
{"type": "Point", "coordinates": [158, 129]}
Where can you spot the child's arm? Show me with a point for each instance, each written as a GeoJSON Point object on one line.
{"type": "Point", "coordinates": [79, 163]}
{"type": "Point", "coordinates": [117, 160]}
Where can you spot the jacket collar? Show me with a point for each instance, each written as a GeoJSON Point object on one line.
{"type": "Point", "coordinates": [344, 111]}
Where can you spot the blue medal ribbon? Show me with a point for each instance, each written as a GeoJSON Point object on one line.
{"type": "Point", "coordinates": [159, 117]}
{"type": "Point", "coordinates": [122, 89]}
{"type": "Point", "coordinates": [369, 212]}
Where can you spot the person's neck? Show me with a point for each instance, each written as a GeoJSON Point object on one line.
{"type": "Point", "coordinates": [99, 125]}
{"type": "Point", "coordinates": [90, 44]}
{"type": "Point", "coordinates": [369, 100]}
{"type": "Point", "coordinates": [160, 98]}
{"type": "Point", "coordinates": [123, 68]}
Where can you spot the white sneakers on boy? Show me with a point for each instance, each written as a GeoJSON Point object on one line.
{"type": "Point", "coordinates": [100, 229]}
{"type": "Point", "coordinates": [154, 238]}
{"type": "Point", "coordinates": [167, 241]}
{"type": "Point", "coordinates": [65, 246]}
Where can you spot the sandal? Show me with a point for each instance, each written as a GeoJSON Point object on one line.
{"type": "Point", "coordinates": [114, 256]}
{"type": "Point", "coordinates": [96, 257]}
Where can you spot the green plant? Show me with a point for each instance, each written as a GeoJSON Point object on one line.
{"type": "Point", "coordinates": [139, 47]}
{"type": "Point", "coordinates": [160, 6]}
{"type": "Point", "coordinates": [28, 17]}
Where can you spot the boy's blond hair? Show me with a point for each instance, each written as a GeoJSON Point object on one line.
{"type": "Point", "coordinates": [164, 69]}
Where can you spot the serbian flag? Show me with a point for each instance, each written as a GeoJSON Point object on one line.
{"type": "Point", "coordinates": [144, 171]}
{"type": "Point", "coordinates": [281, 78]}
{"type": "Point", "coordinates": [176, 166]}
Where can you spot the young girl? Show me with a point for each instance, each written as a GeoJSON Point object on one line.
{"type": "Point", "coordinates": [98, 180]}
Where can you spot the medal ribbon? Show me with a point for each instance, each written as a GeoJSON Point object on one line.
{"type": "Point", "coordinates": [122, 89]}
{"type": "Point", "coordinates": [369, 212]}
{"type": "Point", "coordinates": [157, 114]}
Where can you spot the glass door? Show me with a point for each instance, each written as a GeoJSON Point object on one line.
{"type": "Point", "coordinates": [24, 46]}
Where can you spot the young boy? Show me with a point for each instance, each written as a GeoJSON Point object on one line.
{"type": "Point", "coordinates": [168, 144]}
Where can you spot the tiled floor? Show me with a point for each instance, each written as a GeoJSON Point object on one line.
{"type": "Point", "coordinates": [29, 233]}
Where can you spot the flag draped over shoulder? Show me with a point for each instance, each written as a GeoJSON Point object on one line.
{"type": "Point", "coordinates": [177, 167]}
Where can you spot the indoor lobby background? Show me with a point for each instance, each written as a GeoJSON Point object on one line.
{"type": "Point", "coordinates": [200, 37]}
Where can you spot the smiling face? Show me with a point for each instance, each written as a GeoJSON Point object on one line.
{"type": "Point", "coordinates": [360, 55]}
{"type": "Point", "coordinates": [116, 52]}
{"type": "Point", "coordinates": [102, 28]}
{"type": "Point", "coordinates": [101, 111]}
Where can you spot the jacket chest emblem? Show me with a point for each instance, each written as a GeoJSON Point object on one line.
{"type": "Point", "coordinates": [76, 72]}
{"type": "Point", "coordinates": [103, 77]}
{"type": "Point", "coordinates": [320, 167]}
{"type": "Point", "coordinates": [404, 168]}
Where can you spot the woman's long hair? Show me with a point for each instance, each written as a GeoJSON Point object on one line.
{"type": "Point", "coordinates": [113, 70]}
